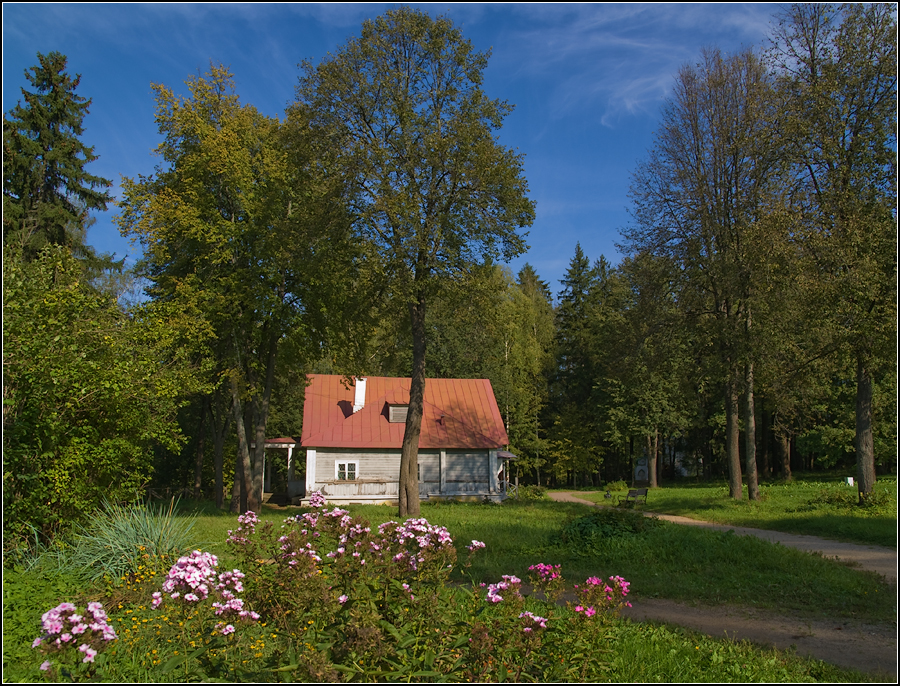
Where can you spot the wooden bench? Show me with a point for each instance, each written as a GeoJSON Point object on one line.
{"type": "Point", "coordinates": [634, 496]}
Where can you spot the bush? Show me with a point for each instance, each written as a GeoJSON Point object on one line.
{"type": "Point", "coordinates": [532, 492]}
{"type": "Point", "coordinates": [606, 523]}
{"type": "Point", "coordinates": [616, 486]}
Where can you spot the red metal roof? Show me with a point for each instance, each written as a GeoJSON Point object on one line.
{"type": "Point", "coordinates": [471, 418]}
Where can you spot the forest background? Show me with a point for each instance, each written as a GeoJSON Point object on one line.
{"type": "Point", "coordinates": [752, 321]}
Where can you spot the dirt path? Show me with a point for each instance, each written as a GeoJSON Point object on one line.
{"type": "Point", "coordinates": [869, 648]}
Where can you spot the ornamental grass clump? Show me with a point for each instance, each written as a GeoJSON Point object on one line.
{"type": "Point", "coordinates": [64, 629]}
{"type": "Point", "coordinates": [122, 541]}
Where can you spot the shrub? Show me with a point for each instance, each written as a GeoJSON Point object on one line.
{"type": "Point", "coordinates": [606, 523]}
{"type": "Point", "coordinates": [532, 492]}
{"type": "Point", "coordinates": [616, 486]}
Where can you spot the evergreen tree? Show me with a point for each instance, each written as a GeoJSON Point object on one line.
{"type": "Point", "coordinates": [47, 192]}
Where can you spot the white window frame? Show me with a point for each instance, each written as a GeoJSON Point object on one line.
{"type": "Point", "coordinates": [346, 463]}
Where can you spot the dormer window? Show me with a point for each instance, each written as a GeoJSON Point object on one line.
{"type": "Point", "coordinates": [397, 413]}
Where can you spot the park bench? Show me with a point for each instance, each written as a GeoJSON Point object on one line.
{"type": "Point", "coordinates": [634, 496]}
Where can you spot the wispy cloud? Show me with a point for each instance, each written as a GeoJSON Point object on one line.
{"type": "Point", "coordinates": [619, 60]}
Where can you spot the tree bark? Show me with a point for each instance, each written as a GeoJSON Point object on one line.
{"type": "Point", "coordinates": [750, 436]}
{"type": "Point", "coordinates": [784, 447]}
{"type": "Point", "coordinates": [201, 444]}
{"type": "Point", "coordinates": [243, 474]}
{"type": "Point", "coordinates": [765, 431]}
{"type": "Point", "coordinates": [409, 455]}
{"type": "Point", "coordinates": [651, 460]}
{"type": "Point", "coordinates": [732, 439]}
{"type": "Point", "coordinates": [261, 404]}
{"type": "Point", "coordinates": [221, 422]}
{"type": "Point", "coordinates": [865, 447]}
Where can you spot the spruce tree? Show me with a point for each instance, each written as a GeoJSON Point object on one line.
{"type": "Point", "coordinates": [47, 193]}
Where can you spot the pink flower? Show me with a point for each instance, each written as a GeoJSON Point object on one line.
{"type": "Point", "coordinates": [590, 612]}
{"type": "Point", "coordinates": [89, 653]}
{"type": "Point", "coordinates": [343, 599]}
{"type": "Point", "coordinates": [36, 642]}
{"type": "Point", "coordinates": [229, 629]}
{"type": "Point", "coordinates": [45, 665]}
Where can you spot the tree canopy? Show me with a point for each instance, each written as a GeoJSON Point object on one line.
{"type": "Point", "coordinates": [428, 185]}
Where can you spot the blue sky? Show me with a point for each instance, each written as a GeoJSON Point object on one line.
{"type": "Point", "coordinates": [587, 80]}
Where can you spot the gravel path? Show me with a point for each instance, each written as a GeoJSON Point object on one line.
{"type": "Point", "coordinates": [869, 648]}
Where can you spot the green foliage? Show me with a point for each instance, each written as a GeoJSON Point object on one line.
{"type": "Point", "coordinates": [605, 523]}
{"type": "Point", "coordinates": [532, 492]}
{"type": "Point", "coordinates": [242, 229]}
{"type": "Point", "coordinates": [616, 486]}
{"type": "Point", "coordinates": [28, 594]}
{"type": "Point", "coordinates": [88, 390]}
{"type": "Point", "coordinates": [431, 191]}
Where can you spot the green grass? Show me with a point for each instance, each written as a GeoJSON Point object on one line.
{"type": "Point", "coordinates": [815, 505]}
{"type": "Point", "coordinates": [666, 561]}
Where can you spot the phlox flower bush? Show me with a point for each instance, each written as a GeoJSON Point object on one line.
{"type": "Point", "coordinates": [359, 597]}
{"type": "Point", "coordinates": [207, 603]}
{"type": "Point", "coordinates": [603, 599]}
{"type": "Point", "coordinates": [71, 640]}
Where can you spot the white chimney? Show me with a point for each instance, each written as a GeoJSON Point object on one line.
{"type": "Point", "coordinates": [359, 397]}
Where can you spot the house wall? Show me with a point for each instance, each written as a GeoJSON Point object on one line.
{"type": "Point", "coordinates": [444, 473]}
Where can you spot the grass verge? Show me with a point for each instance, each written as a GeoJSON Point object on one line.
{"type": "Point", "coordinates": [816, 505]}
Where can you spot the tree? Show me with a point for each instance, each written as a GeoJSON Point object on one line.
{"type": "Point", "coordinates": [699, 199]}
{"type": "Point", "coordinates": [47, 192]}
{"type": "Point", "coordinates": [88, 392]}
{"type": "Point", "coordinates": [429, 186]}
{"type": "Point", "coordinates": [838, 71]}
{"type": "Point", "coordinates": [241, 228]}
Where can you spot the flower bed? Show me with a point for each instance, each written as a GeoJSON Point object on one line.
{"type": "Point", "coordinates": [326, 597]}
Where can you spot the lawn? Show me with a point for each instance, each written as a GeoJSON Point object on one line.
{"type": "Point", "coordinates": [659, 559]}
{"type": "Point", "coordinates": [670, 561]}
{"type": "Point", "coordinates": [813, 504]}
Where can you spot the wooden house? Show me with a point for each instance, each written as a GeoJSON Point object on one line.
{"type": "Point", "coordinates": [353, 434]}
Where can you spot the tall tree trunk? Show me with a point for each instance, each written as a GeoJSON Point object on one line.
{"type": "Point", "coordinates": [243, 473]}
{"type": "Point", "coordinates": [201, 444]}
{"type": "Point", "coordinates": [409, 455]}
{"type": "Point", "coordinates": [261, 404]}
{"type": "Point", "coordinates": [865, 448]}
{"type": "Point", "coordinates": [658, 455]}
{"type": "Point", "coordinates": [784, 448]}
{"type": "Point", "coordinates": [765, 431]}
{"type": "Point", "coordinates": [750, 436]}
{"type": "Point", "coordinates": [651, 461]}
{"type": "Point", "coordinates": [221, 423]}
{"type": "Point", "coordinates": [732, 439]}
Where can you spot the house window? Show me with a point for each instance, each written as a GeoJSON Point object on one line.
{"type": "Point", "coordinates": [397, 413]}
{"type": "Point", "coordinates": [346, 471]}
